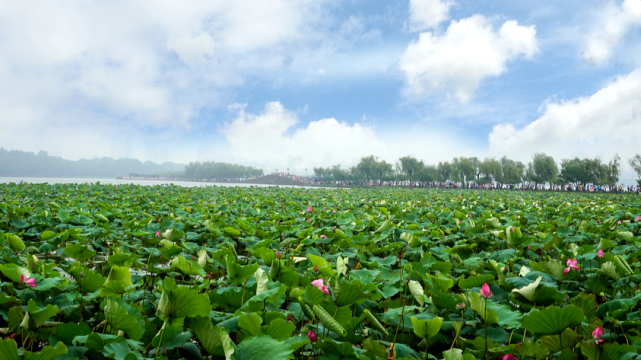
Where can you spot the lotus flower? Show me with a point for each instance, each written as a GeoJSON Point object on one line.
{"type": "Point", "coordinates": [309, 220]}
{"type": "Point", "coordinates": [29, 281]}
{"type": "Point", "coordinates": [323, 237]}
{"type": "Point", "coordinates": [309, 209]}
{"type": "Point", "coordinates": [528, 247]}
{"type": "Point", "coordinates": [485, 291]}
{"type": "Point", "coordinates": [460, 306]}
{"type": "Point", "coordinates": [638, 218]}
{"type": "Point", "coordinates": [289, 318]}
{"type": "Point", "coordinates": [315, 267]}
{"type": "Point", "coordinates": [597, 335]}
{"type": "Point", "coordinates": [278, 255]}
{"type": "Point", "coordinates": [507, 357]}
{"type": "Point", "coordinates": [334, 211]}
{"type": "Point", "coordinates": [157, 233]}
{"type": "Point", "coordinates": [319, 284]}
{"type": "Point", "coordinates": [571, 266]}
{"type": "Point", "coordinates": [470, 215]}
{"type": "Point", "coordinates": [600, 254]}
{"type": "Point", "coordinates": [619, 222]}
{"type": "Point", "coordinates": [598, 221]}
{"type": "Point", "coordinates": [312, 336]}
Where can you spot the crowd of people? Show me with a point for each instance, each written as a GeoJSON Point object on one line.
{"type": "Point", "coordinates": [470, 185]}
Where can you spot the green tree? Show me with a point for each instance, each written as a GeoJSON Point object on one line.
{"type": "Point", "coordinates": [542, 169]}
{"type": "Point", "coordinates": [444, 171]}
{"type": "Point", "coordinates": [410, 165]}
{"type": "Point", "coordinates": [465, 169]}
{"type": "Point", "coordinates": [366, 167]}
{"type": "Point", "coordinates": [383, 169]}
{"type": "Point", "coordinates": [635, 162]}
{"type": "Point", "coordinates": [512, 171]}
{"type": "Point", "coordinates": [427, 173]}
{"type": "Point", "coordinates": [491, 170]}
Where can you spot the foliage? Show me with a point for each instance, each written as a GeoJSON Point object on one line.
{"type": "Point", "coordinates": [142, 272]}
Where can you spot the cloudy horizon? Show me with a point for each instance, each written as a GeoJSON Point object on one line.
{"type": "Point", "coordinates": [298, 84]}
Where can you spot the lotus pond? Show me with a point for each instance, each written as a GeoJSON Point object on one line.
{"type": "Point", "coordinates": [166, 272]}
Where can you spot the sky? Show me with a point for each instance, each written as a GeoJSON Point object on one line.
{"type": "Point", "coordinates": [298, 84]}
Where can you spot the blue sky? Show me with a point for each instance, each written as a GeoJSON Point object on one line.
{"type": "Point", "coordinates": [307, 83]}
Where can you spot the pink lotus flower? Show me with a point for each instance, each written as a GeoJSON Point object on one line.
{"type": "Point", "coordinates": [334, 211]}
{"type": "Point", "coordinates": [278, 255]}
{"type": "Point", "coordinates": [319, 285]}
{"type": "Point", "coordinates": [309, 209]}
{"type": "Point", "coordinates": [309, 220]}
{"type": "Point", "coordinates": [619, 222]}
{"type": "Point", "coordinates": [459, 196]}
{"type": "Point", "coordinates": [600, 254]}
{"type": "Point", "coordinates": [485, 291]}
{"type": "Point", "coordinates": [312, 336]}
{"type": "Point", "coordinates": [507, 357]}
{"type": "Point", "coordinates": [157, 233]}
{"type": "Point", "coordinates": [597, 335]}
{"type": "Point", "coordinates": [429, 205]}
{"type": "Point", "coordinates": [29, 281]}
{"type": "Point", "coordinates": [598, 221]}
{"type": "Point", "coordinates": [323, 237]}
{"type": "Point", "coordinates": [638, 218]}
{"type": "Point", "coordinates": [470, 215]}
{"type": "Point", "coordinates": [315, 267]}
{"type": "Point", "coordinates": [572, 265]}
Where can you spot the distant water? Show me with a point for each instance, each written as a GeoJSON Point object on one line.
{"type": "Point", "coordinates": [38, 180]}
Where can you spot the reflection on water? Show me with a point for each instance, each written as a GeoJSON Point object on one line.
{"type": "Point", "coordinates": [37, 180]}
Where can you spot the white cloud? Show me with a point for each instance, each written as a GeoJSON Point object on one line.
{"type": "Point", "coordinates": [612, 24]}
{"type": "Point", "coordinates": [271, 139]}
{"type": "Point", "coordinates": [468, 52]}
{"type": "Point", "coordinates": [605, 123]}
{"type": "Point", "coordinates": [428, 14]}
{"type": "Point", "coordinates": [78, 67]}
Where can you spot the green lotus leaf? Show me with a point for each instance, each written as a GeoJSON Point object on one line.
{"type": "Point", "coordinates": [553, 320]}
{"type": "Point", "coordinates": [207, 333]}
{"type": "Point", "coordinates": [79, 252]}
{"type": "Point", "coordinates": [426, 328]}
{"type": "Point", "coordinates": [119, 319]}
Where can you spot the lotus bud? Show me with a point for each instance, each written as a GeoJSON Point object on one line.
{"type": "Point", "coordinates": [289, 318]}
{"type": "Point", "coordinates": [597, 335]}
{"type": "Point", "coordinates": [334, 229]}
{"type": "Point", "coordinates": [323, 237]}
{"type": "Point", "coordinates": [600, 254]}
{"type": "Point", "coordinates": [334, 211]}
{"type": "Point", "coordinates": [505, 269]}
{"type": "Point", "coordinates": [192, 258]}
{"type": "Point", "coordinates": [528, 247]}
{"type": "Point", "coordinates": [460, 306]}
{"type": "Point", "coordinates": [209, 276]}
{"type": "Point", "coordinates": [619, 222]}
{"type": "Point", "coordinates": [278, 255]}
{"type": "Point", "coordinates": [485, 291]}
{"type": "Point", "coordinates": [316, 268]}
{"type": "Point", "coordinates": [312, 336]}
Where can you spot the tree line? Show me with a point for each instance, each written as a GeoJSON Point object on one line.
{"type": "Point", "coordinates": [541, 169]}
{"type": "Point", "coordinates": [23, 163]}
{"type": "Point", "coordinates": [218, 170]}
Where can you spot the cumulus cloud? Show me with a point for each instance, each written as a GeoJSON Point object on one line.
{"type": "Point", "coordinates": [271, 138]}
{"type": "Point", "coordinates": [77, 67]}
{"type": "Point", "coordinates": [469, 51]}
{"type": "Point", "coordinates": [428, 14]}
{"type": "Point", "coordinates": [275, 139]}
{"type": "Point", "coordinates": [605, 123]}
{"type": "Point", "coordinates": [612, 24]}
